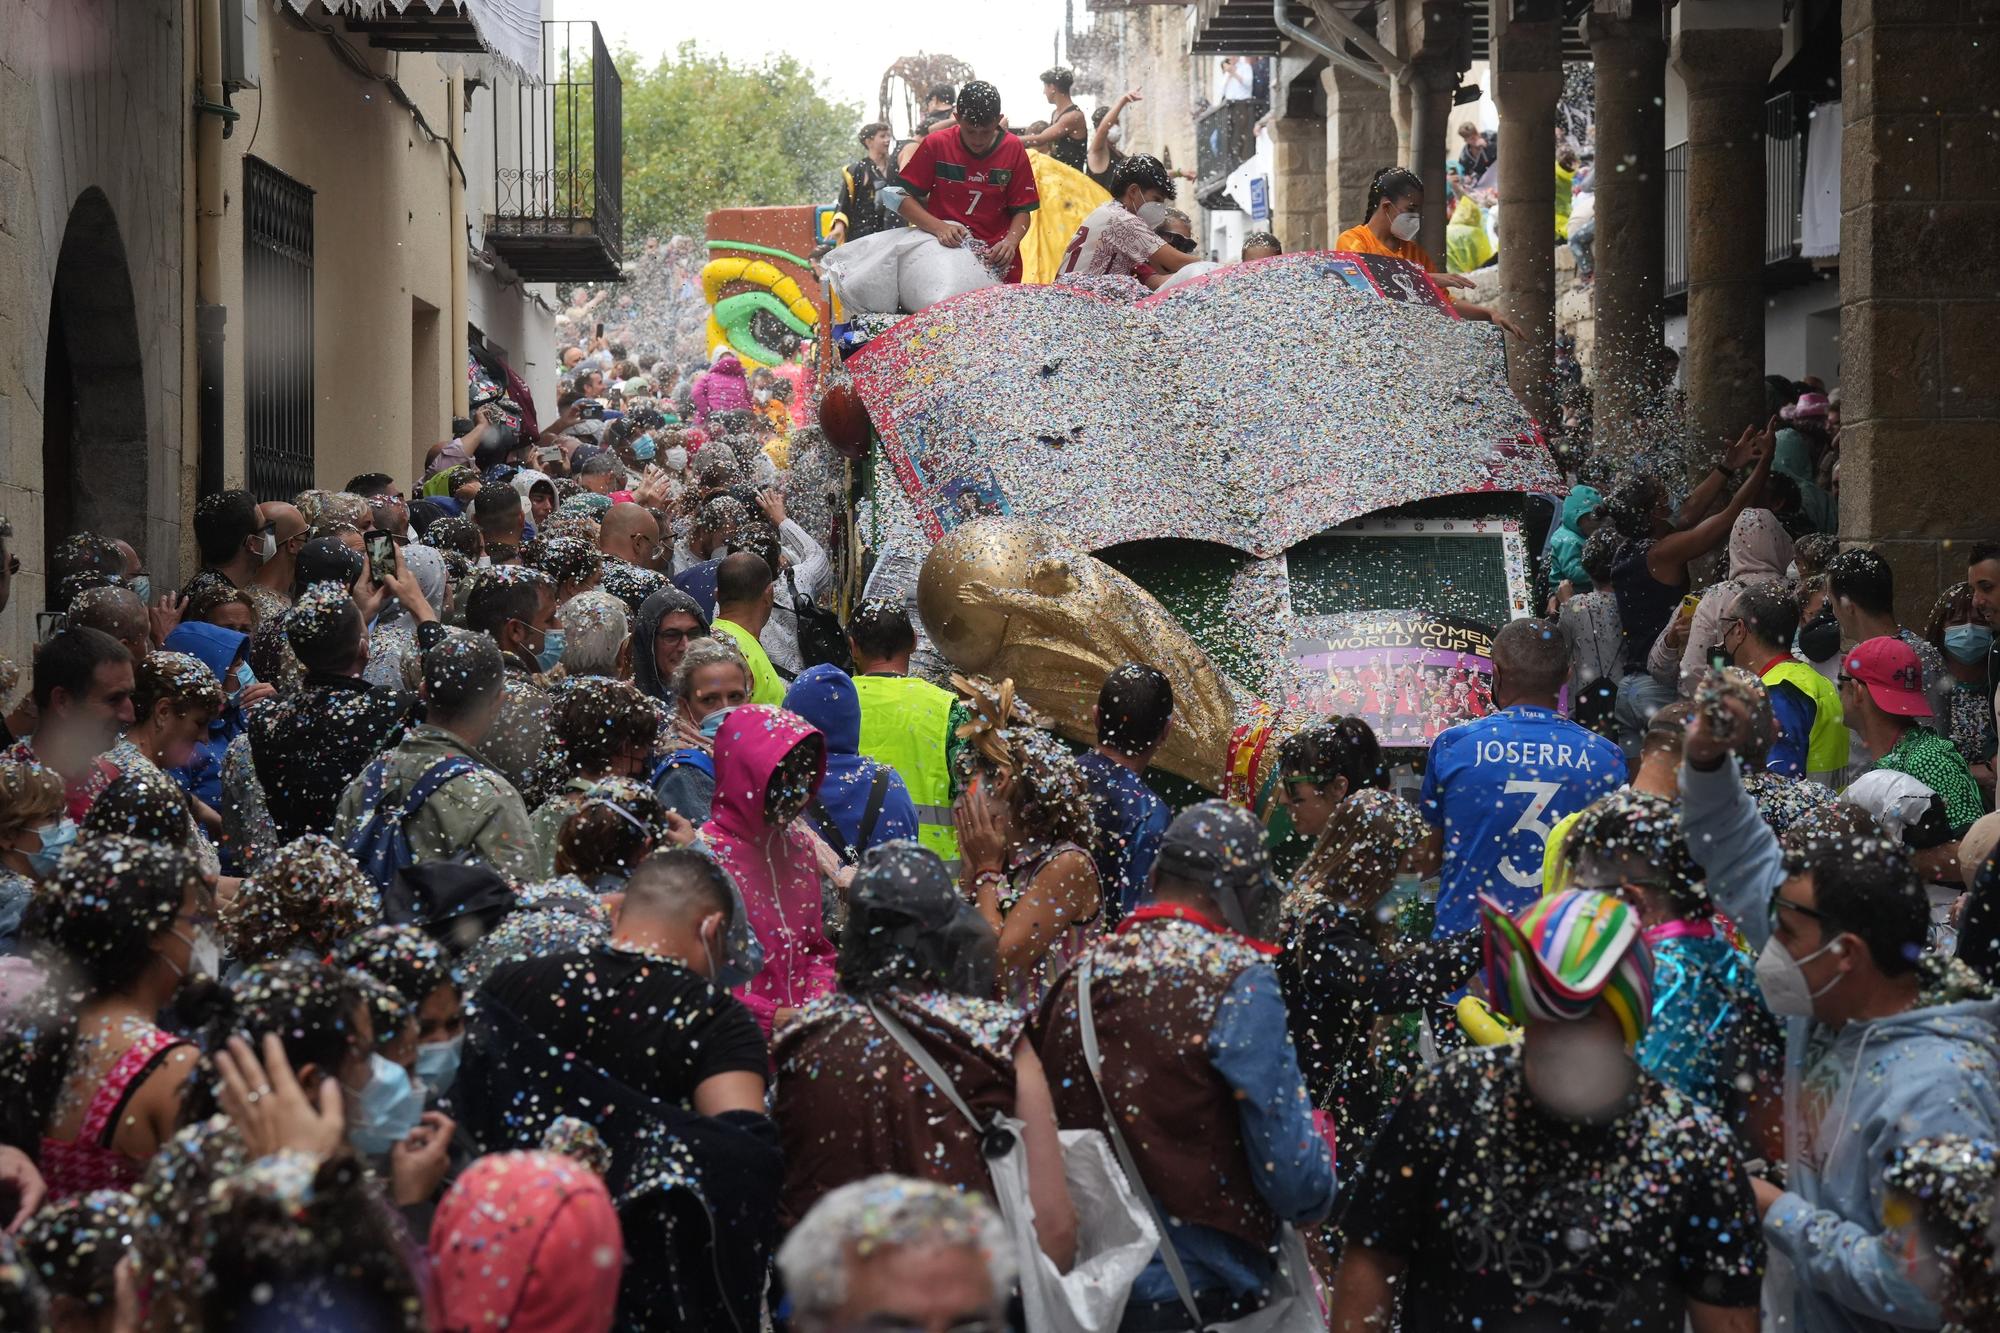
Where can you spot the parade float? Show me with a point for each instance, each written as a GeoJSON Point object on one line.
{"type": "Point", "coordinates": [1298, 486]}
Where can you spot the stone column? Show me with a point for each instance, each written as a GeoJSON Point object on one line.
{"type": "Point", "coordinates": [1630, 249]}
{"type": "Point", "coordinates": [1298, 183]}
{"type": "Point", "coordinates": [1920, 407]}
{"type": "Point", "coordinates": [1726, 71]}
{"type": "Point", "coordinates": [1527, 80]}
{"type": "Point", "coordinates": [1431, 86]}
{"type": "Point", "coordinates": [1360, 141]}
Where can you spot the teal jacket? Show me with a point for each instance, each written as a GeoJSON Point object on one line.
{"type": "Point", "coordinates": [1564, 553]}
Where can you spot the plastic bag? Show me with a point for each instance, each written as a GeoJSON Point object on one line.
{"type": "Point", "coordinates": [866, 272]}
{"type": "Point", "coordinates": [1188, 273]}
{"type": "Point", "coordinates": [933, 272]}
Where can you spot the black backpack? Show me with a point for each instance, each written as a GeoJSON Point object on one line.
{"type": "Point", "coordinates": [822, 640]}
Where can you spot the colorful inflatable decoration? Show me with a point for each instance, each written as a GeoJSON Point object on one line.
{"type": "Point", "coordinates": [759, 283]}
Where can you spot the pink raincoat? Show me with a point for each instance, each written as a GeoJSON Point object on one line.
{"type": "Point", "coordinates": [774, 867]}
{"type": "Point", "coordinates": [721, 388]}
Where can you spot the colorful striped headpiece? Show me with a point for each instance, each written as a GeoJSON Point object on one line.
{"type": "Point", "coordinates": [1563, 954]}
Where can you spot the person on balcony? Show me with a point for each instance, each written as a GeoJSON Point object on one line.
{"type": "Point", "coordinates": [1395, 212]}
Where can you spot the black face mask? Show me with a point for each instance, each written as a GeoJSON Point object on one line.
{"type": "Point", "coordinates": [1819, 638]}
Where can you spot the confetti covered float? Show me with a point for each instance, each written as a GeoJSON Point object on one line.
{"type": "Point", "coordinates": [1297, 485]}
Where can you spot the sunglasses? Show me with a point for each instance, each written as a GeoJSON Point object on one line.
{"type": "Point", "coordinates": [1184, 244]}
{"type": "Point", "coordinates": [673, 635]}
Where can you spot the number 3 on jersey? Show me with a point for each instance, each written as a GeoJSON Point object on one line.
{"type": "Point", "coordinates": [1531, 821]}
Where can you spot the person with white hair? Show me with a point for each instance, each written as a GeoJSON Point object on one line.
{"type": "Point", "coordinates": [890, 1251]}
{"type": "Point", "coordinates": [594, 630]}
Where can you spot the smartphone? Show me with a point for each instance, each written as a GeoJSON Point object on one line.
{"type": "Point", "coordinates": [48, 624]}
{"type": "Point", "coordinates": [381, 556]}
{"type": "Point", "coordinates": [590, 409]}
{"type": "Point", "coordinates": [600, 328]}
{"type": "Point", "coordinates": [1688, 605]}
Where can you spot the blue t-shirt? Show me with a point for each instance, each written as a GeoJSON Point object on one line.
{"type": "Point", "coordinates": [1131, 820]}
{"type": "Point", "coordinates": [1496, 785]}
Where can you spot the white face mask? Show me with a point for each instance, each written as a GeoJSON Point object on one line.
{"type": "Point", "coordinates": [1152, 212]}
{"type": "Point", "coordinates": [1405, 226]}
{"type": "Point", "coordinates": [1117, 134]}
{"type": "Point", "coordinates": [676, 458]}
{"type": "Point", "coordinates": [1782, 978]}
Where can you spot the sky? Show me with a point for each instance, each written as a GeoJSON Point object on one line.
{"type": "Point", "coordinates": [849, 45]}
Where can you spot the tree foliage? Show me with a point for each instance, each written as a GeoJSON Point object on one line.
{"type": "Point", "coordinates": [703, 132]}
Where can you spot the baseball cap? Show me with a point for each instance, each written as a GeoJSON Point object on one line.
{"type": "Point", "coordinates": [1221, 847]}
{"type": "Point", "coordinates": [1888, 669]}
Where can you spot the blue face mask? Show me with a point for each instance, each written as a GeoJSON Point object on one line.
{"type": "Point", "coordinates": [437, 1063]}
{"type": "Point", "coordinates": [56, 839]}
{"type": "Point", "coordinates": [389, 1109]}
{"type": "Point", "coordinates": [142, 587]}
{"type": "Point", "coordinates": [245, 677]}
{"type": "Point", "coordinates": [1968, 643]}
{"type": "Point", "coordinates": [713, 723]}
{"type": "Point", "coordinates": [643, 448]}
{"type": "Point", "coordinates": [552, 650]}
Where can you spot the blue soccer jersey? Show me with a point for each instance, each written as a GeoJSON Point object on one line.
{"type": "Point", "coordinates": [1496, 786]}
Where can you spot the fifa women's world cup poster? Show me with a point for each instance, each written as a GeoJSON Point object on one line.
{"type": "Point", "coordinates": [1408, 674]}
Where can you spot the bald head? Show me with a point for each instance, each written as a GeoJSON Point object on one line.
{"type": "Point", "coordinates": [628, 531]}
{"type": "Point", "coordinates": [117, 612]}
{"type": "Point", "coordinates": [291, 523]}
{"type": "Point", "coordinates": [1530, 663]}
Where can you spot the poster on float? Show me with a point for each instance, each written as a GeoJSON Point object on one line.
{"type": "Point", "coordinates": [1408, 674]}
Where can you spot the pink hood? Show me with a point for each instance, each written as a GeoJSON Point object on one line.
{"type": "Point", "coordinates": [773, 867]}
{"type": "Point", "coordinates": [720, 388]}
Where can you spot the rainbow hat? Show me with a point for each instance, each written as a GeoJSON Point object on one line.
{"type": "Point", "coordinates": [1563, 954]}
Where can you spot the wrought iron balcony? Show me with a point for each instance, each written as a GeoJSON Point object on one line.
{"type": "Point", "coordinates": [558, 169]}
{"type": "Point", "coordinates": [1225, 137]}
{"type": "Point", "coordinates": [1784, 176]}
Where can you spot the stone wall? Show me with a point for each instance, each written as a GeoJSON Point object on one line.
{"type": "Point", "coordinates": [93, 98]}
{"type": "Point", "coordinates": [1920, 175]}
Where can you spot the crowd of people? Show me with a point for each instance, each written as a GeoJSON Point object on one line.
{"type": "Point", "coordinates": [514, 900]}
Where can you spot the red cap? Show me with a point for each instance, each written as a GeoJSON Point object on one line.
{"type": "Point", "coordinates": [1888, 668]}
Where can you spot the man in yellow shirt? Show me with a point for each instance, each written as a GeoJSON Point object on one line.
{"type": "Point", "coordinates": [744, 591]}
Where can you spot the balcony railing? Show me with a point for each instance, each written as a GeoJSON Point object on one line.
{"type": "Point", "coordinates": [558, 167]}
{"type": "Point", "coordinates": [1225, 137]}
{"type": "Point", "coordinates": [1784, 175]}
{"type": "Point", "coordinates": [1676, 277]}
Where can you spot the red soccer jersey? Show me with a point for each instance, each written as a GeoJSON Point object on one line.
{"type": "Point", "coordinates": [984, 193]}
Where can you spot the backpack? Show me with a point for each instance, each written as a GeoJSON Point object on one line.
{"type": "Point", "coordinates": [379, 845]}
{"type": "Point", "coordinates": [699, 760]}
{"type": "Point", "coordinates": [822, 641]}
{"type": "Point", "coordinates": [822, 820]}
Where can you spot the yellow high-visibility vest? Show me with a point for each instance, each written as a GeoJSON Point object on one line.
{"type": "Point", "coordinates": [906, 724]}
{"type": "Point", "coordinates": [1826, 747]}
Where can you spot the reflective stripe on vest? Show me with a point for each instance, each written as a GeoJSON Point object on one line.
{"type": "Point", "coordinates": [906, 724]}
{"type": "Point", "coordinates": [1826, 747]}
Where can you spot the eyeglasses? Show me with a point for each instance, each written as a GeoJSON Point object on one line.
{"type": "Point", "coordinates": [672, 635]}
{"type": "Point", "coordinates": [1778, 901]}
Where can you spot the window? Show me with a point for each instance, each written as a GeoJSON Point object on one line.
{"type": "Point", "coordinates": [277, 332]}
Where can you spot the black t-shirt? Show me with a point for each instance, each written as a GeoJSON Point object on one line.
{"type": "Point", "coordinates": [648, 1022]}
{"type": "Point", "coordinates": [1512, 1220]}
